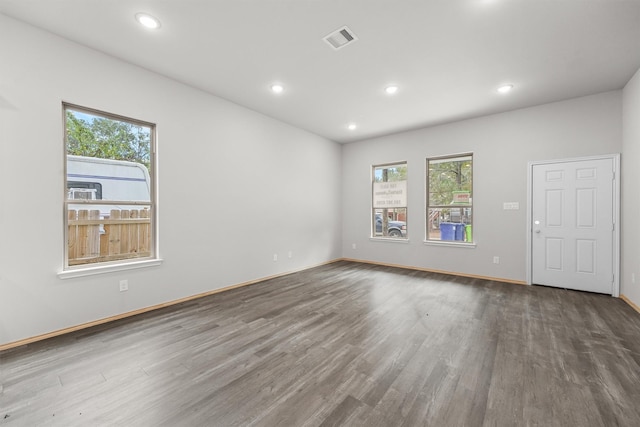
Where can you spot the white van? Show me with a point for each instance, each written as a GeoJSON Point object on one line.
{"type": "Point", "coordinates": [90, 178]}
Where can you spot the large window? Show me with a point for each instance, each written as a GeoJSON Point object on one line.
{"type": "Point", "coordinates": [389, 201]}
{"type": "Point", "coordinates": [450, 198]}
{"type": "Point", "coordinates": [109, 188]}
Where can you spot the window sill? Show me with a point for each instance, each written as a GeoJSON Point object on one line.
{"type": "Point", "coordinates": [90, 271]}
{"type": "Point", "coordinates": [452, 244]}
{"type": "Point", "coordinates": [389, 239]}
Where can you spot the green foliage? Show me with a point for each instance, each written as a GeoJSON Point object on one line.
{"type": "Point", "coordinates": [391, 173]}
{"type": "Point", "coordinates": [108, 139]}
{"type": "Point", "coordinates": [447, 177]}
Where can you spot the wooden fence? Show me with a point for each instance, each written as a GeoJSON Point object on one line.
{"type": "Point", "coordinates": [125, 234]}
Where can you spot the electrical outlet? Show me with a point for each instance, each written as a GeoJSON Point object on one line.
{"type": "Point", "coordinates": [353, 246]}
{"type": "Point", "coordinates": [496, 260]}
{"type": "Point", "coordinates": [290, 254]}
{"type": "Point", "coordinates": [633, 278]}
{"type": "Point", "coordinates": [124, 285]}
{"type": "Point", "coordinates": [275, 257]}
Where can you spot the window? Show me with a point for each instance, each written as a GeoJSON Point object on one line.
{"type": "Point", "coordinates": [110, 183]}
{"type": "Point", "coordinates": [389, 201]}
{"type": "Point", "coordinates": [450, 198]}
{"type": "Point", "coordinates": [84, 190]}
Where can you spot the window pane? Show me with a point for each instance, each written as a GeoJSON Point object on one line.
{"type": "Point", "coordinates": [450, 181]}
{"type": "Point", "coordinates": [460, 231]}
{"type": "Point", "coordinates": [396, 224]}
{"type": "Point", "coordinates": [109, 188]}
{"type": "Point", "coordinates": [389, 201]}
{"type": "Point", "coordinates": [449, 198]}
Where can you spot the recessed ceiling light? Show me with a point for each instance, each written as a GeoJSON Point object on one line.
{"type": "Point", "coordinates": [505, 88]}
{"type": "Point", "coordinates": [390, 90]}
{"type": "Point", "coordinates": [352, 126]}
{"type": "Point", "coordinates": [148, 21]}
{"type": "Point", "coordinates": [277, 88]}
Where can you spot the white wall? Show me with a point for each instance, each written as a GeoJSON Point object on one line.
{"type": "Point", "coordinates": [235, 187]}
{"type": "Point", "coordinates": [502, 145]}
{"type": "Point", "coordinates": [243, 162]}
{"type": "Point", "coordinates": [630, 191]}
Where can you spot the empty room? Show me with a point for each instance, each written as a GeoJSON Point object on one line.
{"type": "Point", "coordinates": [319, 213]}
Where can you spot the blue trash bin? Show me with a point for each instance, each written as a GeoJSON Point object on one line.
{"type": "Point", "coordinates": [447, 231]}
{"type": "Point", "coordinates": [459, 232]}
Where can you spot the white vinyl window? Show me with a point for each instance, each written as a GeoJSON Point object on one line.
{"type": "Point", "coordinates": [389, 201]}
{"type": "Point", "coordinates": [109, 188]}
{"type": "Point", "coordinates": [450, 199]}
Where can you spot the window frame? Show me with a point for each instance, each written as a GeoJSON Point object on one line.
{"type": "Point", "coordinates": [428, 207]}
{"type": "Point", "coordinates": [125, 263]}
{"type": "Point", "coordinates": [372, 212]}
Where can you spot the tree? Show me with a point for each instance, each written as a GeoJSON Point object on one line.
{"type": "Point", "coordinates": [391, 173]}
{"type": "Point", "coordinates": [447, 177]}
{"type": "Point", "coordinates": [108, 139]}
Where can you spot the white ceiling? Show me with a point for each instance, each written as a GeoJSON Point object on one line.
{"type": "Point", "coordinates": [447, 56]}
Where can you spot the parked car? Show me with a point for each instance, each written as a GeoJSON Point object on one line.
{"type": "Point", "coordinates": [395, 228]}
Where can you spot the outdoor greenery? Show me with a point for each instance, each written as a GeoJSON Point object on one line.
{"type": "Point", "coordinates": [445, 177]}
{"type": "Point", "coordinates": [391, 173]}
{"type": "Point", "coordinates": [105, 138]}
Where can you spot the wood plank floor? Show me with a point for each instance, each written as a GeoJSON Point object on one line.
{"type": "Point", "coordinates": [343, 344]}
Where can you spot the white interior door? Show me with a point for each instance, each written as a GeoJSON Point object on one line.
{"type": "Point", "coordinates": [573, 225]}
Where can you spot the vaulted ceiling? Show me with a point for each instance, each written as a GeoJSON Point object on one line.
{"type": "Point", "coordinates": [446, 57]}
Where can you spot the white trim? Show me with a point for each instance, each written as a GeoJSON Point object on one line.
{"type": "Point", "coordinates": [389, 239]}
{"type": "Point", "coordinates": [102, 268]}
{"type": "Point", "coordinates": [617, 203]}
{"type": "Point", "coordinates": [615, 292]}
{"type": "Point", "coordinates": [529, 229]}
{"type": "Point", "coordinates": [90, 269]}
{"type": "Point", "coordinates": [459, 244]}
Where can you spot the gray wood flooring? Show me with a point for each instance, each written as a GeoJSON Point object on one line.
{"type": "Point", "coordinates": [344, 344]}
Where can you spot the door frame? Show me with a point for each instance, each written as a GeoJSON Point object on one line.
{"type": "Point", "coordinates": [616, 213]}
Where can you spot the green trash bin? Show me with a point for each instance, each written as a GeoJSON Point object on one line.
{"type": "Point", "coordinates": [468, 234]}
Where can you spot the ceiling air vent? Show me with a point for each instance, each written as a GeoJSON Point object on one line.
{"type": "Point", "coordinates": [340, 38]}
